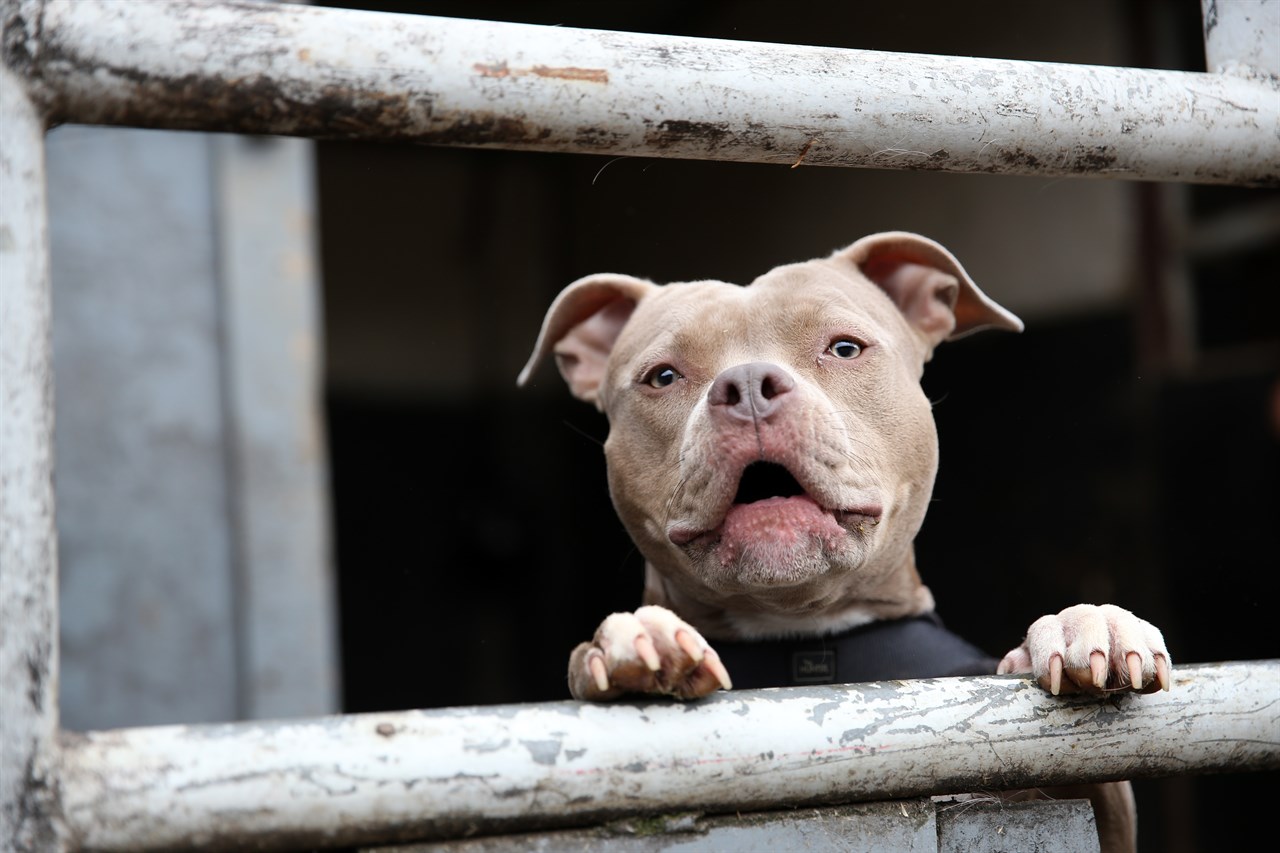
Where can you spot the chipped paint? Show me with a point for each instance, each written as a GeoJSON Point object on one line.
{"type": "Point", "coordinates": [586, 75]}
{"type": "Point", "coordinates": [501, 70]}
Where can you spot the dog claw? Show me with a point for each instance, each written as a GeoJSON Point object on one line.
{"type": "Point", "coordinates": [1135, 669]}
{"type": "Point", "coordinates": [647, 652]}
{"type": "Point", "coordinates": [689, 646]}
{"type": "Point", "coordinates": [1162, 673]}
{"type": "Point", "coordinates": [711, 661]}
{"type": "Point", "coordinates": [1098, 669]}
{"type": "Point", "coordinates": [1055, 675]}
{"type": "Point", "coordinates": [599, 673]}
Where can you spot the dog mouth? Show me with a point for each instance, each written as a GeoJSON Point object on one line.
{"type": "Point", "coordinates": [764, 480]}
{"type": "Point", "coordinates": [768, 498]}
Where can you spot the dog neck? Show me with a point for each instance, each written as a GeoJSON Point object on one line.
{"type": "Point", "coordinates": [899, 593]}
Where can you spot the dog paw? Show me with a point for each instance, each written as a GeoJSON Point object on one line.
{"type": "Point", "coordinates": [649, 651]}
{"type": "Point", "coordinates": [1093, 649]}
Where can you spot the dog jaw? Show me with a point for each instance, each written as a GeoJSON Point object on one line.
{"type": "Point", "coordinates": [765, 540]}
{"type": "Point", "coordinates": [779, 542]}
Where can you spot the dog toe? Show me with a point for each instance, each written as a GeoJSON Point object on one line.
{"type": "Point", "coordinates": [1095, 649]}
{"type": "Point", "coordinates": [650, 651]}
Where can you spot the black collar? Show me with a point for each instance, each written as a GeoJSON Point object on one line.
{"type": "Point", "coordinates": [915, 647]}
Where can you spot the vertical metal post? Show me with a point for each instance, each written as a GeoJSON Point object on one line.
{"type": "Point", "coordinates": [29, 789]}
{"type": "Point", "coordinates": [1242, 36]}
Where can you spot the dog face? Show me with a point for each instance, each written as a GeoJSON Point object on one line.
{"type": "Point", "coordinates": [770, 449]}
{"type": "Point", "coordinates": [758, 459]}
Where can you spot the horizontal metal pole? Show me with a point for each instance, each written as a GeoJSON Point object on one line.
{"type": "Point", "coordinates": [454, 772]}
{"type": "Point", "coordinates": [345, 74]}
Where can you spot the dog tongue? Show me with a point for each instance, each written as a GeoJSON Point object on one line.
{"type": "Point", "coordinates": [777, 523]}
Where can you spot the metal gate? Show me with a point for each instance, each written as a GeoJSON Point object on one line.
{"type": "Point", "coordinates": [250, 67]}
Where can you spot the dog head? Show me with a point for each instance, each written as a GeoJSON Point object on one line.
{"type": "Point", "coordinates": [770, 449]}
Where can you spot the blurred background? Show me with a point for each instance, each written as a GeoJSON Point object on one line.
{"type": "Point", "coordinates": [295, 475]}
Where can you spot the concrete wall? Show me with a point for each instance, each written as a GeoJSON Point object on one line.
{"type": "Point", "coordinates": [190, 475]}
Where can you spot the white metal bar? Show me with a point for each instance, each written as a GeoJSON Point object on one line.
{"type": "Point", "coordinates": [337, 73]}
{"type": "Point", "coordinates": [28, 538]}
{"type": "Point", "coordinates": [1242, 36]}
{"type": "Point", "coordinates": [455, 772]}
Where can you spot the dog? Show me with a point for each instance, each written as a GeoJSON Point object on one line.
{"type": "Point", "coordinates": [772, 455]}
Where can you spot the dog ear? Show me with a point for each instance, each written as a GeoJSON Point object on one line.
{"type": "Point", "coordinates": [928, 285]}
{"type": "Point", "coordinates": [582, 326]}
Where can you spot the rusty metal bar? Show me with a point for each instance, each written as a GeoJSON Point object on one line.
{"type": "Point", "coordinates": [454, 772]}
{"type": "Point", "coordinates": [336, 73]}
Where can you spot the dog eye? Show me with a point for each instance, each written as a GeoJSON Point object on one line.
{"type": "Point", "coordinates": [662, 376]}
{"type": "Point", "coordinates": [845, 348]}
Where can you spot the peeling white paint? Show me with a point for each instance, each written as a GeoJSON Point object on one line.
{"type": "Point", "coordinates": [453, 772]}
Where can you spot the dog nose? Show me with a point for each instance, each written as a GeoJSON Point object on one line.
{"type": "Point", "coordinates": [750, 392]}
